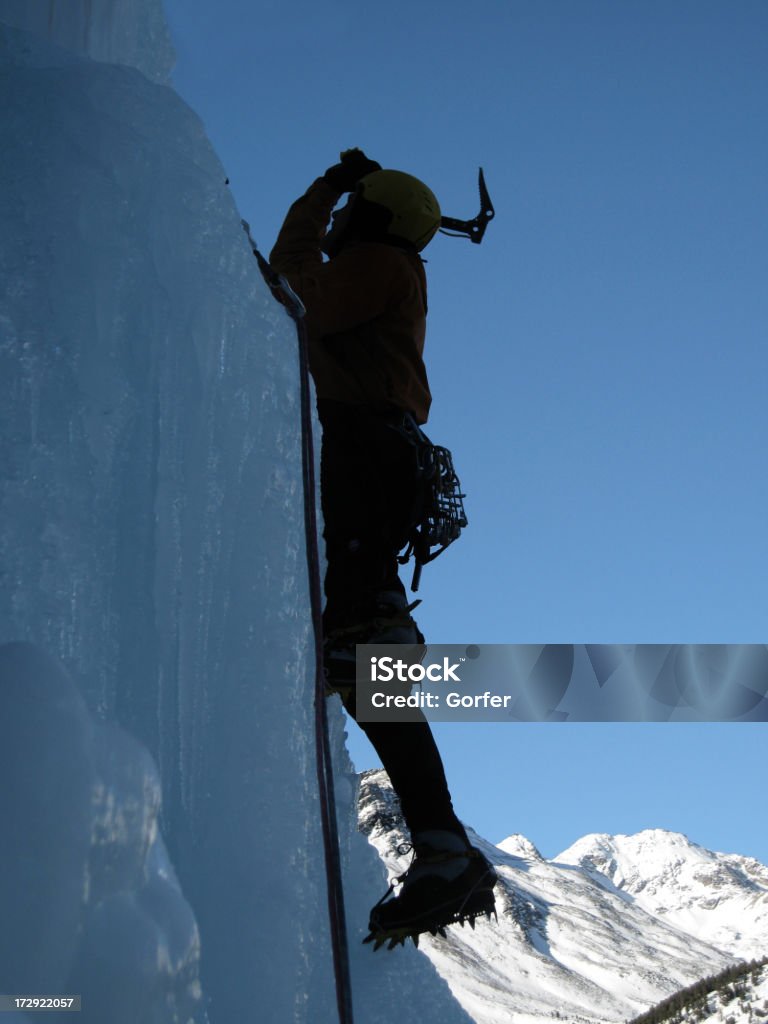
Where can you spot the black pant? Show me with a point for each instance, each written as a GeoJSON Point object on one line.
{"type": "Point", "coordinates": [370, 499]}
{"type": "Point", "coordinates": [370, 496]}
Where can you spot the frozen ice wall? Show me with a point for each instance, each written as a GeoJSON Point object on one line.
{"type": "Point", "coordinates": [130, 32]}
{"type": "Point", "coordinates": [91, 905]}
{"type": "Point", "coordinates": [151, 515]}
{"type": "Point", "coordinates": [153, 607]}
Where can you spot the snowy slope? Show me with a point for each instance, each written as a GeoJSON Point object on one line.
{"type": "Point", "coordinates": [567, 941]}
{"type": "Point", "coordinates": [151, 542]}
{"type": "Point", "coordinates": [721, 898]}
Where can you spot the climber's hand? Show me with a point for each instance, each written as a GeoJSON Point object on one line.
{"type": "Point", "coordinates": [353, 165]}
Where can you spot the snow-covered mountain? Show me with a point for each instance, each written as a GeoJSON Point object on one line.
{"type": "Point", "coordinates": [570, 942]}
{"type": "Point", "coordinates": [720, 898]}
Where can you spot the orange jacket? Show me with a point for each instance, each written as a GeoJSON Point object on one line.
{"type": "Point", "coordinates": [366, 310]}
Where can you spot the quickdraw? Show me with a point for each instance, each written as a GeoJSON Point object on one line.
{"type": "Point", "coordinates": [441, 517]}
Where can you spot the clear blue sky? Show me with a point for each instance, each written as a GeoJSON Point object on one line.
{"type": "Point", "coordinates": [599, 364]}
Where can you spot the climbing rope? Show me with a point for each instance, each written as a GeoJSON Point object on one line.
{"type": "Point", "coordinates": [324, 765]}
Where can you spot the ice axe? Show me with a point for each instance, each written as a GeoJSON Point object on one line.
{"type": "Point", "coordinates": [472, 229]}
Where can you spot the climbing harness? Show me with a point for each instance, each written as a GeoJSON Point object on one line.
{"type": "Point", "coordinates": [283, 292]}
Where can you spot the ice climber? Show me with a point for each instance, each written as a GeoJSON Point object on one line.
{"type": "Point", "coordinates": [366, 312]}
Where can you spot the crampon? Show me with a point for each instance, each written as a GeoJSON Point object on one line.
{"type": "Point", "coordinates": [430, 905]}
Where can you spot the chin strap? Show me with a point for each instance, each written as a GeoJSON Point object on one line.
{"type": "Point", "coordinates": [472, 229]}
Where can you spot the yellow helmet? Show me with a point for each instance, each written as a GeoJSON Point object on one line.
{"type": "Point", "coordinates": [413, 208]}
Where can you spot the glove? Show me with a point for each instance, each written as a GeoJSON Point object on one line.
{"type": "Point", "coordinates": [354, 165]}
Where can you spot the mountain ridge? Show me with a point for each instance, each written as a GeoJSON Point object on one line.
{"type": "Point", "coordinates": [698, 890]}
